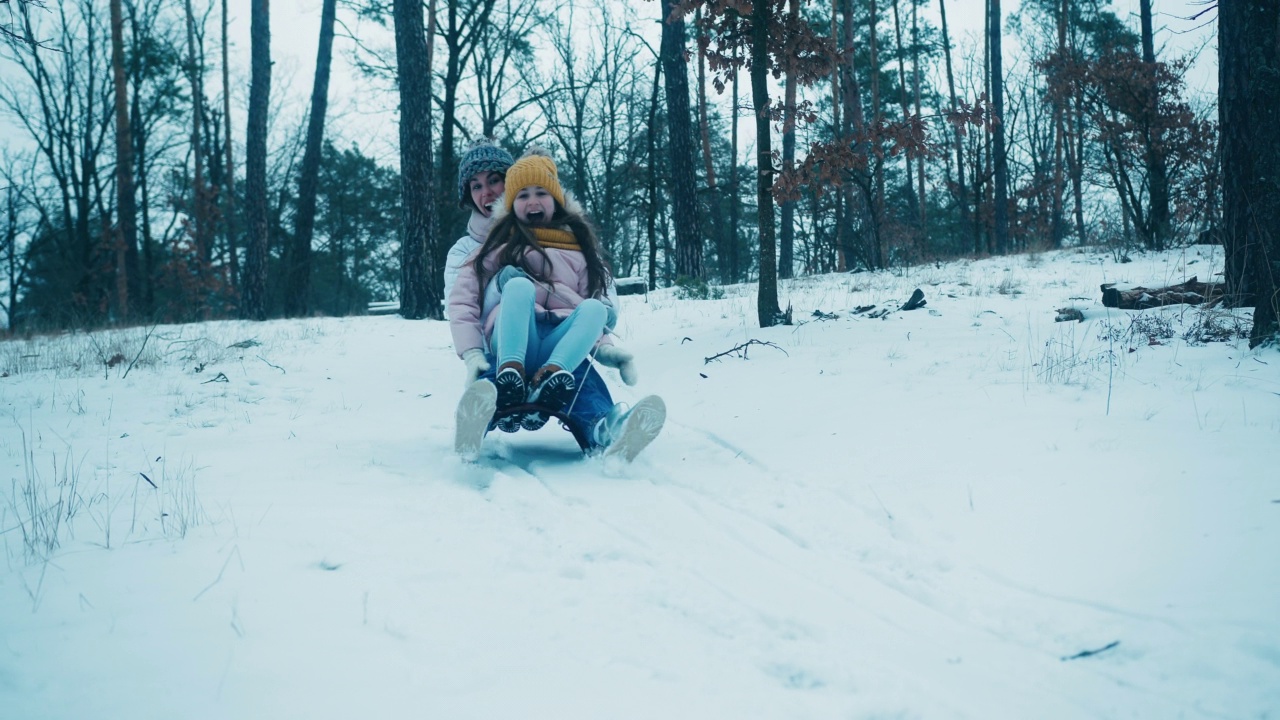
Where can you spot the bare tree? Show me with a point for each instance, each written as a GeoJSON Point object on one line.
{"type": "Point", "coordinates": [254, 285]}
{"type": "Point", "coordinates": [1000, 202]}
{"type": "Point", "coordinates": [297, 298]}
{"type": "Point", "coordinates": [684, 187]}
{"type": "Point", "coordinates": [420, 273]}
{"type": "Point", "coordinates": [229, 173]}
{"type": "Point", "coordinates": [126, 205]}
{"type": "Point", "coordinates": [1157, 169]}
{"type": "Point", "coordinates": [1249, 112]}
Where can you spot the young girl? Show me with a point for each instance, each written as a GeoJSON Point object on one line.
{"type": "Point", "coordinates": [552, 311]}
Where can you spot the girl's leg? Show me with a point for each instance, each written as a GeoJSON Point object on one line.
{"type": "Point", "coordinates": [515, 326]}
{"type": "Point", "coordinates": [574, 338]}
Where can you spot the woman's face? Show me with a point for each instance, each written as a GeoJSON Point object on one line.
{"type": "Point", "coordinates": [486, 187]}
{"type": "Point", "coordinates": [534, 205]}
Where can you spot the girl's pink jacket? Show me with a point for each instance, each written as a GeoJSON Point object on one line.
{"type": "Point", "coordinates": [472, 317]}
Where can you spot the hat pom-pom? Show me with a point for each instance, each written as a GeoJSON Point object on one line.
{"type": "Point", "coordinates": [535, 151]}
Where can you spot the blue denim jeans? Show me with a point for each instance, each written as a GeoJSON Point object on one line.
{"type": "Point", "coordinates": [591, 400]}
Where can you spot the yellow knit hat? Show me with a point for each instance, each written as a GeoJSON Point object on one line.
{"type": "Point", "coordinates": [535, 167]}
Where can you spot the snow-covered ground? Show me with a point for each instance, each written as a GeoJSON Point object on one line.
{"type": "Point", "coordinates": [938, 513]}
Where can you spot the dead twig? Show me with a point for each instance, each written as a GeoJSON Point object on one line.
{"type": "Point", "coordinates": [741, 350]}
{"type": "Point", "coordinates": [1090, 653]}
{"type": "Point", "coordinates": [282, 372]}
{"type": "Point", "coordinates": [135, 357]}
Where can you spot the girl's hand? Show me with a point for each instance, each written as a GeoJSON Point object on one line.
{"type": "Point", "coordinates": [507, 273]}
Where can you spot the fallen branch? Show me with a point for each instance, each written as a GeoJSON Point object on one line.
{"type": "Point", "coordinates": [282, 372]}
{"type": "Point", "coordinates": [1191, 292]}
{"type": "Point", "coordinates": [741, 350]}
{"type": "Point", "coordinates": [1091, 653]}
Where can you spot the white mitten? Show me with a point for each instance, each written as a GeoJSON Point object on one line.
{"type": "Point", "coordinates": [615, 357]}
{"type": "Point", "coordinates": [476, 364]}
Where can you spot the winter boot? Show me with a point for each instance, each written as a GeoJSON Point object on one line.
{"type": "Point", "coordinates": [625, 432]}
{"type": "Point", "coordinates": [553, 388]}
{"type": "Point", "coordinates": [475, 410]}
{"type": "Point", "coordinates": [511, 392]}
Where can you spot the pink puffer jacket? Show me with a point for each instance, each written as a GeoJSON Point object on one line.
{"type": "Point", "coordinates": [471, 320]}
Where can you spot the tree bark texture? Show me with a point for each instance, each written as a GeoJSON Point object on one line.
{"type": "Point", "coordinates": [126, 204]}
{"type": "Point", "coordinates": [1000, 203]}
{"type": "Point", "coordinates": [420, 278]}
{"type": "Point", "coordinates": [297, 297]}
{"type": "Point", "coordinates": [684, 186]}
{"type": "Point", "coordinates": [1158, 218]}
{"type": "Point", "coordinates": [1191, 292]}
{"type": "Point", "coordinates": [199, 209]}
{"type": "Point", "coordinates": [962, 195]}
{"type": "Point", "coordinates": [767, 298]}
{"type": "Point", "coordinates": [254, 286]}
{"type": "Point", "coordinates": [229, 208]}
{"type": "Point", "coordinates": [1248, 115]}
{"type": "Point", "coordinates": [718, 231]}
{"type": "Point", "coordinates": [786, 249]}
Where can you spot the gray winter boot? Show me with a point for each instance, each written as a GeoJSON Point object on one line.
{"type": "Point", "coordinates": [625, 432]}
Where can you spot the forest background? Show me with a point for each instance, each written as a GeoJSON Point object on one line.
{"type": "Point", "coordinates": [180, 160]}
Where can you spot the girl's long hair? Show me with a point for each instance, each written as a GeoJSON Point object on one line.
{"type": "Point", "coordinates": [516, 239]}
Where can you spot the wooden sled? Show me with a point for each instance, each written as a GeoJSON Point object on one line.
{"type": "Point", "coordinates": [580, 435]}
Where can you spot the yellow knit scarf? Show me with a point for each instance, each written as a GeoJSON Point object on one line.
{"type": "Point", "coordinates": [556, 238]}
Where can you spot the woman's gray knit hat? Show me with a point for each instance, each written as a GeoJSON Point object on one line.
{"type": "Point", "coordinates": [483, 155]}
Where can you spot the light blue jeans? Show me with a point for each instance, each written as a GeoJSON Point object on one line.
{"type": "Point", "coordinates": [520, 335]}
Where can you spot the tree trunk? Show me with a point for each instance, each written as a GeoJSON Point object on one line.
{"type": "Point", "coordinates": [198, 208]}
{"type": "Point", "coordinates": [1160, 223]}
{"type": "Point", "coordinates": [875, 253]}
{"type": "Point", "coordinates": [767, 297]}
{"type": "Point", "coordinates": [859, 206]}
{"type": "Point", "coordinates": [909, 183]}
{"type": "Point", "coordinates": [735, 197]}
{"type": "Point", "coordinates": [138, 129]}
{"type": "Point", "coordinates": [651, 134]}
{"type": "Point", "coordinates": [420, 279]}
{"type": "Point", "coordinates": [229, 208]}
{"type": "Point", "coordinates": [915, 85]}
{"type": "Point", "coordinates": [126, 204]}
{"type": "Point", "coordinates": [254, 286]}
{"type": "Point", "coordinates": [1248, 114]}
{"type": "Point", "coordinates": [1000, 202]}
{"type": "Point", "coordinates": [1058, 230]}
{"type": "Point", "coordinates": [297, 299]}
{"type": "Point", "coordinates": [788, 232]}
{"type": "Point", "coordinates": [684, 186]}
{"type": "Point", "coordinates": [962, 195]}
{"type": "Point", "coordinates": [714, 209]}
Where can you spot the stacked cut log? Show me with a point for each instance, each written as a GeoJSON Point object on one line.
{"type": "Point", "coordinates": [1191, 292]}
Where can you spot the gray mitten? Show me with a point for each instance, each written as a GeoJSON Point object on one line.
{"type": "Point", "coordinates": [615, 357]}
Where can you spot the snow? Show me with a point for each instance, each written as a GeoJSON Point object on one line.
{"type": "Point", "coordinates": [922, 515]}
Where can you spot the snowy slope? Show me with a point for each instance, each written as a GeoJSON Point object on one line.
{"type": "Point", "coordinates": [918, 515]}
